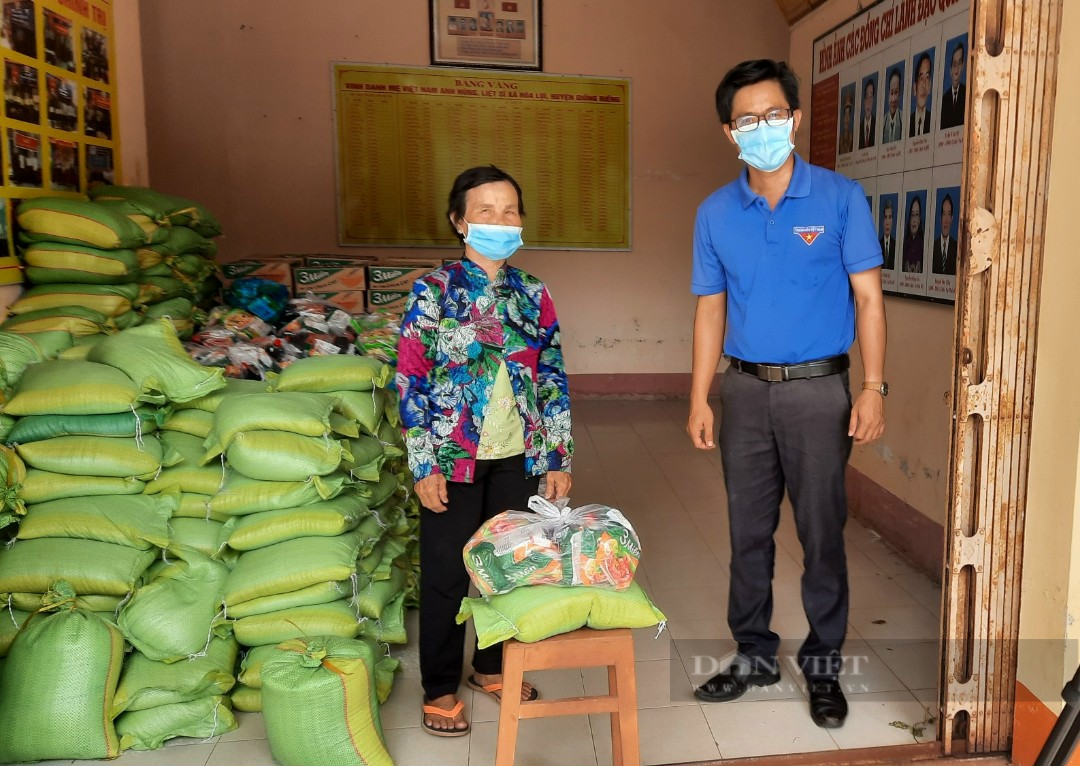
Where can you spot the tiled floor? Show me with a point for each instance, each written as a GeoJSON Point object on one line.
{"type": "Point", "coordinates": [635, 455]}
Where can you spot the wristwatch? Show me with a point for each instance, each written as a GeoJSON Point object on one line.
{"type": "Point", "coordinates": [882, 387]}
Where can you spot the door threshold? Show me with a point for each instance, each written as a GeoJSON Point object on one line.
{"type": "Point", "coordinates": [895, 755]}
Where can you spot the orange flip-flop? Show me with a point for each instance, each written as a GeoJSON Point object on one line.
{"type": "Point", "coordinates": [443, 713]}
{"type": "Point", "coordinates": [494, 690]}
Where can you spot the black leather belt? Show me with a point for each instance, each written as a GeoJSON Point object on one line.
{"type": "Point", "coordinates": [777, 373]}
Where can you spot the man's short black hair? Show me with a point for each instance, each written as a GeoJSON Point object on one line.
{"type": "Point", "coordinates": [751, 73]}
{"type": "Point", "coordinates": [888, 206]}
{"type": "Point", "coordinates": [918, 65]}
{"type": "Point", "coordinates": [952, 207]}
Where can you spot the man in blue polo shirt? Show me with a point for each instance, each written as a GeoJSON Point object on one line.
{"type": "Point", "coordinates": [786, 265]}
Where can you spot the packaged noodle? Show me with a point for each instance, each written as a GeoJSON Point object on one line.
{"type": "Point", "coordinates": [554, 545]}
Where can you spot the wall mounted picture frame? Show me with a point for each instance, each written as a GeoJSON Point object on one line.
{"type": "Point", "coordinates": [495, 34]}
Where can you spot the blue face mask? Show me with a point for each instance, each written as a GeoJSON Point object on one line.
{"type": "Point", "coordinates": [767, 147]}
{"type": "Point", "coordinates": [494, 241]}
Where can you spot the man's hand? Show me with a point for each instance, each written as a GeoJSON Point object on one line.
{"type": "Point", "coordinates": [867, 417]}
{"type": "Point", "coordinates": [558, 485]}
{"type": "Point", "coordinates": [432, 492]}
{"type": "Point", "coordinates": [700, 427]}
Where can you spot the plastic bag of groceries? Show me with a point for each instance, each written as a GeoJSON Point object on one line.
{"type": "Point", "coordinates": [554, 545]}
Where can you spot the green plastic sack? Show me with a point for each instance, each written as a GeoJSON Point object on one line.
{"type": "Point", "coordinates": [392, 440]}
{"type": "Point", "coordinates": [32, 566]}
{"type": "Point", "coordinates": [154, 289]}
{"type": "Point", "coordinates": [57, 688]}
{"type": "Point", "coordinates": [178, 210]}
{"type": "Point", "coordinates": [378, 492]}
{"type": "Point", "coordinates": [250, 674]}
{"type": "Point", "coordinates": [35, 428]}
{"type": "Point", "coordinates": [373, 596]}
{"type": "Point", "coordinates": [50, 262]}
{"type": "Point", "coordinates": [297, 413]}
{"type": "Point", "coordinates": [202, 718]}
{"type": "Point", "coordinates": [195, 506]}
{"type": "Point", "coordinates": [19, 351]}
{"type": "Point", "coordinates": [334, 372]}
{"type": "Point", "coordinates": [184, 240]}
{"type": "Point", "coordinates": [74, 221]}
{"type": "Point", "coordinates": [246, 700]}
{"type": "Point", "coordinates": [292, 565]}
{"type": "Point", "coordinates": [367, 459]}
{"type": "Point", "coordinates": [539, 611]}
{"type": "Point", "coordinates": [389, 628]}
{"type": "Point", "coordinates": [233, 387]}
{"type": "Point", "coordinates": [154, 358]}
{"type": "Point", "coordinates": [97, 456]}
{"type": "Point", "coordinates": [43, 486]}
{"type": "Point", "coordinates": [240, 495]}
{"type": "Point", "coordinates": [155, 228]}
{"type": "Point", "coordinates": [197, 423]}
{"type": "Point", "coordinates": [146, 683]}
{"type": "Point", "coordinates": [251, 668]}
{"type": "Point", "coordinates": [32, 602]}
{"type": "Point", "coordinates": [140, 521]}
{"type": "Point", "coordinates": [325, 685]}
{"type": "Point", "coordinates": [61, 387]}
{"type": "Point", "coordinates": [321, 593]}
{"type": "Point", "coordinates": [328, 518]}
{"type": "Point", "coordinates": [203, 535]}
{"type": "Point", "coordinates": [173, 616]}
{"type": "Point", "coordinates": [175, 308]}
{"type": "Point", "coordinates": [336, 618]}
{"type": "Point", "coordinates": [123, 322]}
{"type": "Point", "coordinates": [77, 320]}
{"type": "Point", "coordinates": [11, 620]}
{"type": "Point", "coordinates": [187, 475]}
{"type": "Point", "coordinates": [282, 456]}
{"type": "Point", "coordinates": [80, 348]}
{"type": "Point", "coordinates": [12, 481]}
{"type": "Point", "coordinates": [110, 300]}
{"type": "Point", "coordinates": [365, 407]}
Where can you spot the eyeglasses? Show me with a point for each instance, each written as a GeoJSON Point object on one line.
{"type": "Point", "coordinates": [774, 117]}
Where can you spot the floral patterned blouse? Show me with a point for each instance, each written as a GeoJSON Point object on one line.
{"type": "Point", "coordinates": [458, 327]}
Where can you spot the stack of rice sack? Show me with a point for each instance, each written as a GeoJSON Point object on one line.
{"type": "Point", "coordinates": [81, 266]}
{"type": "Point", "coordinates": [178, 272]}
{"type": "Point", "coordinates": [17, 352]}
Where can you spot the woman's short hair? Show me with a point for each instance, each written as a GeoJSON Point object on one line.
{"type": "Point", "coordinates": [470, 179]}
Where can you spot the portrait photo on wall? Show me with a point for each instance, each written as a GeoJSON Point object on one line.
{"type": "Point", "coordinates": [59, 45]}
{"type": "Point", "coordinates": [95, 56]}
{"type": "Point", "coordinates": [846, 141]}
{"type": "Point", "coordinates": [868, 114]}
{"type": "Point", "coordinates": [61, 103]}
{"type": "Point", "coordinates": [18, 29]}
{"type": "Point", "coordinates": [25, 152]}
{"type": "Point", "coordinates": [98, 114]}
{"type": "Point", "coordinates": [22, 100]}
{"type": "Point", "coordinates": [954, 92]}
{"type": "Point", "coordinates": [944, 251]}
{"type": "Point", "coordinates": [892, 128]}
{"type": "Point", "coordinates": [887, 220]}
{"type": "Point", "coordinates": [914, 232]}
{"type": "Point", "coordinates": [99, 166]}
{"type": "Point", "coordinates": [922, 100]}
{"type": "Point", "coordinates": [63, 165]}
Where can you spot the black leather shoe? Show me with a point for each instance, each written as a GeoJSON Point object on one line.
{"type": "Point", "coordinates": [733, 683]}
{"type": "Point", "coordinates": [828, 708]}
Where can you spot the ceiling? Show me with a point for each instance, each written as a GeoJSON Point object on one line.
{"type": "Point", "coordinates": [794, 10]}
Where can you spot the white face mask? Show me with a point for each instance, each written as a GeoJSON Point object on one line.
{"type": "Point", "coordinates": [494, 241]}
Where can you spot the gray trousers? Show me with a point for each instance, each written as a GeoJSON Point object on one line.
{"type": "Point", "coordinates": [776, 436]}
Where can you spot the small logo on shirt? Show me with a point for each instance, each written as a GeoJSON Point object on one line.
{"type": "Point", "coordinates": [808, 233]}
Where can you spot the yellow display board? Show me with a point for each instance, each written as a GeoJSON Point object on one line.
{"type": "Point", "coordinates": [404, 134]}
{"type": "Point", "coordinates": [59, 119]}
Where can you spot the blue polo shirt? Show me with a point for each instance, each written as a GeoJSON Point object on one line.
{"type": "Point", "coordinates": [785, 271]}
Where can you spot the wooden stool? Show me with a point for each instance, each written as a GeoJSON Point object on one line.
{"type": "Point", "coordinates": [582, 648]}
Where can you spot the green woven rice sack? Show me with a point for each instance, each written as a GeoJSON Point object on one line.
{"type": "Point", "coordinates": [539, 611]}
{"type": "Point", "coordinates": [12, 482]}
{"type": "Point", "coordinates": [187, 475]}
{"type": "Point", "coordinates": [233, 387]}
{"type": "Point", "coordinates": [327, 518]}
{"type": "Point", "coordinates": [195, 506]}
{"type": "Point", "coordinates": [184, 240]}
{"type": "Point", "coordinates": [292, 565]}
{"type": "Point", "coordinates": [372, 596]}
{"type": "Point", "coordinates": [57, 687]}
{"type": "Point", "coordinates": [281, 456]}
{"type": "Point", "coordinates": [77, 320]}
{"type": "Point", "coordinates": [52, 219]}
{"type": "Point", "coordinates": [322, 593]}
{"type": "Point", "coordinates": [250, 676]}
{"type": "Point", "coordinates": [149, 256]}
{"type": "Point", "coordinates": [365, 407]}
{"type": "Point", "coordinates": [43, 486]}
{"type": "Point", "coordinates": [123, 322]}
{"type": "Point", "coordinates": [251, 666]}
{"type": "Point", "coordinates": [202, 718]}
{"type": "Point", "coordinates": [155, 228]}
{"type": "Point", "coordinates": [325, 685]}
{"type": "Point", "coordinates": [50, 262]}
{"type": "Point", "coordinates": [11, 619]}
{"type": "Point", "coordinates": [367, 459]}
{"type": "Point", "coordinates": [240, 495]}
{"type": "Point", "coordinates": [175, 308]}
{"type": "Point", "coordinates": [97, 456]}
{"type": "Point", "coordinates": [32, 602]}
{"type": "Point", "coordinates": [146, 683]}
{"type": "Point", "coordinates": [202, 535]}
{"type": "Point", "coordinates": [158, 289]}
{"type": "Point", "coordinates": [19, 351]}
{"type": "Point", "coordinates": [81, 347]}
{"type": "Point", "coordinates": [160, 270]}
{"type": "Point", "coordinates": [140, 521]}
{"type": "Point", "coordinates": [392, 440]}
{"type": "Point", "coordinates": [297, 413]}
{"type": "Point", "coordinates": [154, 358]}
{"type": "Point", "coordinates": [334, 372]}
{"type": "Point", "coordinates": [389, 628]}
{"type": "Point", "coordinates": [110, 300]}
{"type": "Point", "coordinates": [35, 428]}
{"type": "Point", "coordinates": [172, 616]}
{"type": "Point", "coordinates": [32, 566]}
{"type": "Point", "coordinates": [198, 423]}
{"type": "Point", "coordinates": [377, 493]}
{"type": "Point", "coordinates": [337, 618]}
{"type": "Point", "coordinates": [62, 387]}
{"type": "Point", "coordinates": [246, 699]}
{"type": "Point", "coordinates": [179, 211]}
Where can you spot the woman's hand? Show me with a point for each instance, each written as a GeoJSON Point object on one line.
{"type": "Point", "coordinates": [432, 492]}
{"type": "Point", "coordinates": [558, 485]}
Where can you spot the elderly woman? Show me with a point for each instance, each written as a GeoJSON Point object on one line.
{"type": "Point", "coordinates": [486, 414]}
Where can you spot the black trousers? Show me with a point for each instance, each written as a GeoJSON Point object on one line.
{"type": "Point", "coordinates": [793, 436]}
{"type": "Point", "coordinates": [499, 485]}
